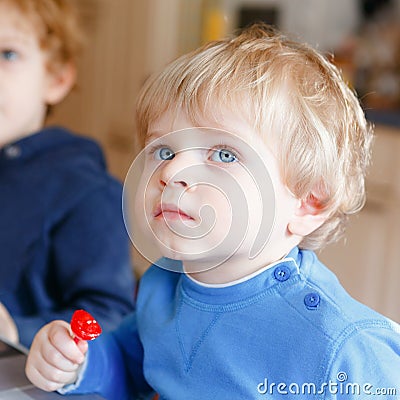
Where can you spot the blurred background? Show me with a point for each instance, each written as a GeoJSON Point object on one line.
{"type": "Point", "coordinates": [130, 39]}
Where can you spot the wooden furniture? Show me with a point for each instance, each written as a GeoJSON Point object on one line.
{"type": "Point", "coordinates": [111, 70]}
{"type": "Point", "coordinates": [367, 261]}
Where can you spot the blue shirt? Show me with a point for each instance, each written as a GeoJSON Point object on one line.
{"type": "Point", "coordinates": [289, 332]}
{"type": "Point", "coordinates": [63, 243]}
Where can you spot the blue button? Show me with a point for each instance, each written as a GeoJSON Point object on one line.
{"type": "Point", "coordinates": [282, 273]}
{"type": "Point", "coordinates": [311, 300]}
{"type": "Point", "coordinates": [12, 151]}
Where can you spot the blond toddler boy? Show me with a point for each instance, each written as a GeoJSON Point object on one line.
{"type": "Point", "coordinates": [255, 156]}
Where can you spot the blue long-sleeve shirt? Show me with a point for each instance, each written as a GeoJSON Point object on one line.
{"type": "Point", "coordinates": [63, 243]}
{"type": "Point", "coordinates": [290, 331]}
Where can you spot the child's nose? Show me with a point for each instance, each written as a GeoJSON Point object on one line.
{"type": "Point", "coordinates": [178, 172]}
{"type": "Point", "coordinates": [177, 183]}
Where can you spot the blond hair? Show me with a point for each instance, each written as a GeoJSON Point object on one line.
{"type": "Point", "coordinates": [57, 25]}
{"type": "Point", "coordinates": [294, 97]}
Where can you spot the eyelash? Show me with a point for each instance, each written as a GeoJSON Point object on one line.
{"type": "Point", "coordinates": [9, 54]}
{"type": "Point", "coordinates": [151, 149]}
{"type": "Point", "coordinates": [224, 146]}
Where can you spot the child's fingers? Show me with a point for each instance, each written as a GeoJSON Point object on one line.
{"type": "Point", "coordinates": [54, 357]}
{"type": "Point", "coordinates": [45, 375]}
{"type": "Point", "coordinates": [83, 346]}
{"type": "Point", "coordinates": [48, 378]}
{"type": "Point", "coordinates": [40, 381]}
{"type": "Point", "coordinates": [62, 346]}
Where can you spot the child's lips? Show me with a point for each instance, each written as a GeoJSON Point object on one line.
{"type": "Point", "coordinates": [170, 212]}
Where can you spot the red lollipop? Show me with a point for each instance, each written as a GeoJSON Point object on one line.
{"type": "Point", "coordinates": [84, 326]}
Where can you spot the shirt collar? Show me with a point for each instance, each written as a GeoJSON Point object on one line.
{"type": "Point", "coordinates": [245, 289]}
{"type": "Point", "coordinates": [31, 145]}
{"type": "Point", "coordinates": [292, 256]}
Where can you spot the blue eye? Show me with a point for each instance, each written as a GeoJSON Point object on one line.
{"type": "Point", "coordinates": [223, 155]}
{"type": "Point", "coordinates": [9, 55]}
{"type": "Point", "coordinates": [164, 153]}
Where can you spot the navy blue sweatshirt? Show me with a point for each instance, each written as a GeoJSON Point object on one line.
{"type": "Point", "coordinates": [63, 243]}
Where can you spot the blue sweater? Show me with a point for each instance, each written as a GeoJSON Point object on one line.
{"type": "Point", "coordinates": [290, 332]}
{"type": "Point", "coordinates": [63, 243]}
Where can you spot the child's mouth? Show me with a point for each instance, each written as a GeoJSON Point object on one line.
{"type": "Point", "coordinates": [170, 212]}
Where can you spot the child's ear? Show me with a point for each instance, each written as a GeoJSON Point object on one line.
{"type": "Point", "coordinates": [59, 83]}
{"type": "Point", "coordinates": [308, 217]}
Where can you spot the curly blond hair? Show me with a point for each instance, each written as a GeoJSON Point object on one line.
{"type": "Point", "coordinates": [293, 96]}
{"type": "Point", "coordinates": [57, 24]}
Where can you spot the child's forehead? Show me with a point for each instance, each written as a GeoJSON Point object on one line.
{"type": "Point", "coordinates": [195, 135]}
{"type": "Point", "coordinates": [15, 22]}
{"type": "Point", "coordinates": [215, 122]}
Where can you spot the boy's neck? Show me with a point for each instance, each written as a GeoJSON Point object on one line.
{"type": "Point", "coordinates": [14, 139]}
{"type": "Point", "coordinates": [232, 270]}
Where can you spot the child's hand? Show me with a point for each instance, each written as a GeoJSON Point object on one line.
{"type": "Point", "coordinates": [8, 329]}
{"type": "Point", "coordinates": [54, 357]}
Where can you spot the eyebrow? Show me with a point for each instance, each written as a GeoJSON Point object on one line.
{"type": "Point", "coordinates": [153, 135]}
{"type": "Point", "coordinates": [10, 39]}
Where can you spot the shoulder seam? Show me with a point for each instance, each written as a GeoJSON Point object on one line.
{"type": "Point", "coordinates": [348, 332]}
